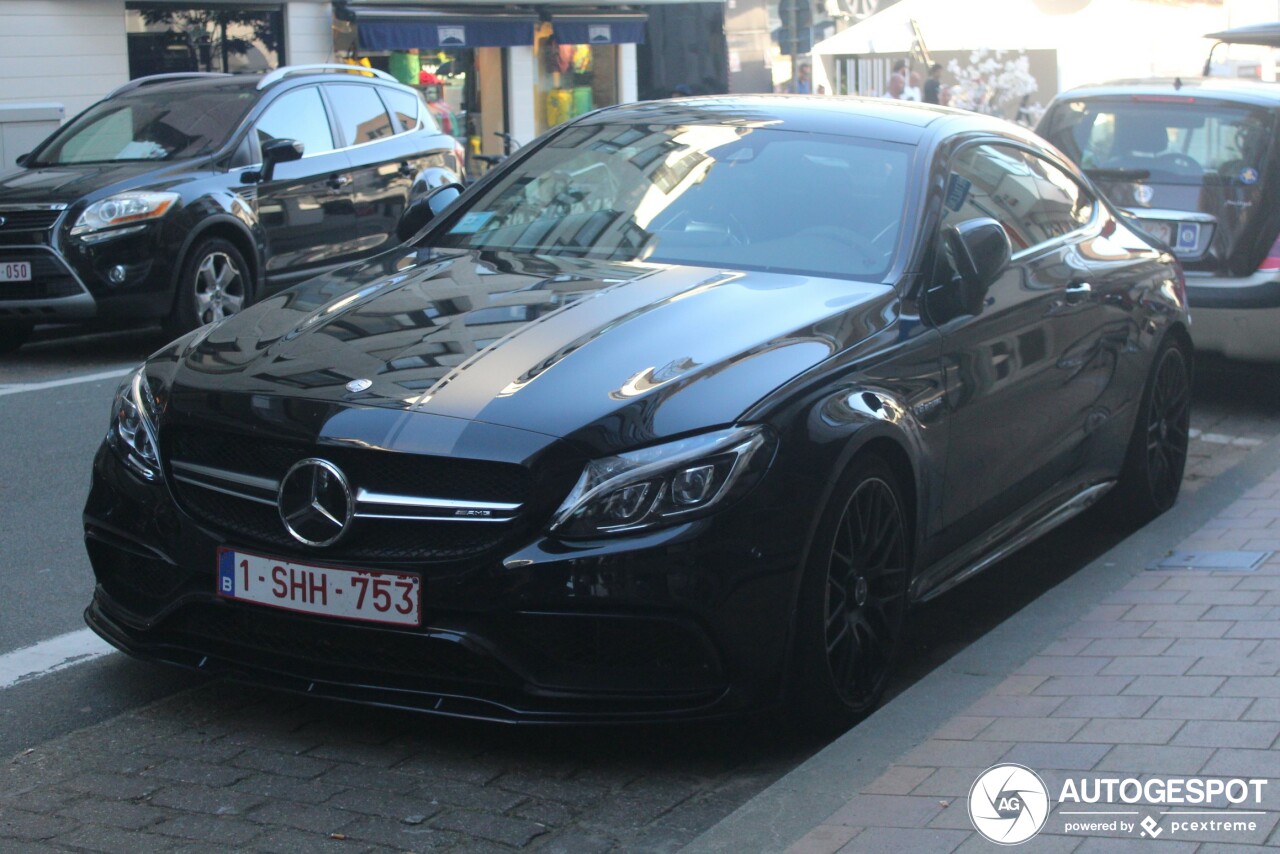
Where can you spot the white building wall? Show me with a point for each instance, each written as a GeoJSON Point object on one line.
{"type": "Point", "coordinates": [308, 32]}
{"type": "Point", "coordinates": [521, 72]}
{"type": "Point", "coordinates": [67, 51]}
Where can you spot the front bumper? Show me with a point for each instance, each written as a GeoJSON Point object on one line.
{"type": "Point", "coordinates": [690, 622]}
{"type": "Point", "coordinates": [1237, 317]}
{"type": "Point", "coordinates": [72, 281]}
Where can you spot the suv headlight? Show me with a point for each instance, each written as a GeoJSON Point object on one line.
{"type": "Point", "coordinates": [122, 209]}
{"type": "Point", "coordinates": [132, 433]}
{"type": "Point", "coordinates": [664, 484]}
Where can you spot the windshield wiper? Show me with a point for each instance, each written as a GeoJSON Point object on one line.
{"type": "Point", "coordinates": [1119, 174]}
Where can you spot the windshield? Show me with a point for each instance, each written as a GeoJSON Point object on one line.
{"type": "Point", "coordinates": [150, 126]}
{"type": "Point", "coordinates": [723, 196]}
{"type": "Point", "coordinates": [1175, 140]}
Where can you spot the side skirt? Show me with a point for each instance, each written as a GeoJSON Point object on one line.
{"type": "Point", "coordinates": [962, 565]}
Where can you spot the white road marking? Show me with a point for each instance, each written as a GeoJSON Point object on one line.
{"type": "Point", "coordinates": [1223, 439]}
{"type": "Point", "coordinates": [33, 662]}
{"type": "Point", "coordinates": [19, 388]}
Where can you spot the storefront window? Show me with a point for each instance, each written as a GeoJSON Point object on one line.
{"type": "Point", "coordinates": [572, 78]}
{"type": "Point", "coordinates": [164, 38]}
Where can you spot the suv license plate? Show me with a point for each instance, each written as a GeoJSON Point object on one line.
{"type": "Point", "coordinates": [15, 271]}
{"type": "Point", "coordinates": [348, 594]}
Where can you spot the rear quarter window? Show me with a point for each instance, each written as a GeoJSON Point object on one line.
{"type": "Point", "coordinates": [408, 109]}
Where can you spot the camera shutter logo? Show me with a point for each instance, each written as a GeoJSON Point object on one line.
{"type": "Point", "coordinates": [1008, 804]}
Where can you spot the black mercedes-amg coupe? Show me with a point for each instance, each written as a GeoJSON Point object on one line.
{"type": "Point", "coordinates": [672, 415]}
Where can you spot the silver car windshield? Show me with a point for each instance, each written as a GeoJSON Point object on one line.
{"type": "Point", "coordinates": [705, 195]}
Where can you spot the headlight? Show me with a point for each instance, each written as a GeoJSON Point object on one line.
{"type": "Point", "coordinates": [133, 426]}
{"type": "Point", "coordinates": [664, 484]}
{"type": "Point", "coordinates": [121, 210]}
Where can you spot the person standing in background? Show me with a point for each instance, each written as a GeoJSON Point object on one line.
{"type": "Point", "coordinates": [802, 84]}
{"type": "Point", "coordinates": [933, 86]}
{"type": "Point", "coordinates": [897, 80]}
{"type": "Point", "coordinates": [912, 92]}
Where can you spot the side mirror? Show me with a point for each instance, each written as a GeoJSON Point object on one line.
{"type": "Point", "coordinates": [21, 159]}
{"type": "Point", "coordinates": [278, 151]}
{"type": "Point", "coordinates": [423, 209]}
{"type": "Point", "coordinates": [981, 250]}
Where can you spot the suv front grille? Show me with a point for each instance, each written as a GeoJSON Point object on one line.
{"type": "Point", "coordinates": [27, 220]}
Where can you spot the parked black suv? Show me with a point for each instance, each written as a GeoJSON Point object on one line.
{"type": "Point", "coordinates": [183, 197]}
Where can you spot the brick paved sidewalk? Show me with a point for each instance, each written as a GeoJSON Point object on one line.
{"type": "Point", "coordinates": [1175, 673]}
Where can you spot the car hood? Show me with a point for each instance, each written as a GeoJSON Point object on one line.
{"type": "Point", "coordinates": [67, 184]}
{"type": "Point", "coordinates": [611, 355]}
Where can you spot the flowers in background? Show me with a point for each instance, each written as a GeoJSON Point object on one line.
{"type": "Point", "coordinates": [999, 86]}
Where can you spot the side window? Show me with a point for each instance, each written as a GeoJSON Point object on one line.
{"type": "Point", "coordinates": [1061, 205]}
{"type": "Point", "coordinates": [299, 115]}
{"type": "Point", "coordinates": [361, 115]}
{"type": "Point", "coordinates": [407, 108]}
{"type": "Point", "coordinates": [1034, 200]}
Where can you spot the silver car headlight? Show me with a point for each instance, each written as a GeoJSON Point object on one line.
{"type": "Point", "coordinates": [127, 212]}
{"type": "Point", "coordinates": [664, 484]}
{"type": "Point", "coordinates": [132, 433]}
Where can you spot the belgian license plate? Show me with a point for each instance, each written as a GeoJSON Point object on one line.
{"type": "Point", "coordinates": [15, 271]}
{"type": "Point", "coordinates": [348, 594]}
{"type": "Point", "coordinates": [1182, 236]}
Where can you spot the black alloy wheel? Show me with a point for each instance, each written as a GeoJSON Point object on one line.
{"type": "Point", "coordinates": [214, 284]}
{"type": "Point", "coordinates": [1157, 455]}
{"type": "Point", "coordinates": [854, 601]}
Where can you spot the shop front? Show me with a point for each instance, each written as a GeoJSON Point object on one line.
{"type": "Point", "coordinates": [497, 76]}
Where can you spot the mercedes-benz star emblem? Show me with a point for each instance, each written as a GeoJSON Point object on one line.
{"type": "Point", "coordinates": [357, 386]}
{"type": "Point", "coordinates": [315, 502]}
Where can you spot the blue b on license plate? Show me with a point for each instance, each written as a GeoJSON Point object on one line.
{"type": "Point", "coordinates": [1186, 235]}
{"type": "Point", "coordinates": [349, 594]}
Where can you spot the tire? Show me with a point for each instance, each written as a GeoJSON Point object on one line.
{"type": "Point", "coordinates": [13, 335]}
{"type": "Point", "coordinates": [1157, 453]}
{"type": "Point", "coordinates": [214, 283]}
{"type": "Point", "coordinates": [851, 615]}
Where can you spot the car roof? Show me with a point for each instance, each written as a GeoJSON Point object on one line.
{"type": "Point", "coordinates": [243, 82]}
{"type": "Point", "coordinates": [877, 118]}
{"type": "Point", "coordinates": [1252, 92]}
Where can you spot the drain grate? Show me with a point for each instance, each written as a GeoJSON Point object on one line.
{"type": "Point", "coordinates": [1231, 561]}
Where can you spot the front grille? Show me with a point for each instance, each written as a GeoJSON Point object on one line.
{"type": "Point", "coordinates": [377, 471]}
{"type": "Point", "coordinates": [50, 278]}
{"type": "Point", "coordinates": [333, 644]}
{"type": "Point", "coordinates": [368, 539]}
{"type": "Point", "coordinates": [27, 220]}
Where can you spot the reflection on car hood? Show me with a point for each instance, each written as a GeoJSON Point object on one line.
{"type": "Point", "coordinates": [562, 347]}
{"type": "Point", "coordinates": [66, 184]}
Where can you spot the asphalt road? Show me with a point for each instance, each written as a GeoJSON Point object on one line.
{"type": "Point", "coordinates": [52, 418]}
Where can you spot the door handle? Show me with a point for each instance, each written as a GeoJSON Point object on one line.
{"type": "Point", "coordinates": [1078, 291]}
{"type": "Point", "coordinates": [337, 182]}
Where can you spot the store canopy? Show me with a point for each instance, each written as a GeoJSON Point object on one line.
{"type": "Point", "coordinates": [406, 28]}
{"type": "Point", "coordinates": [603, 28]}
